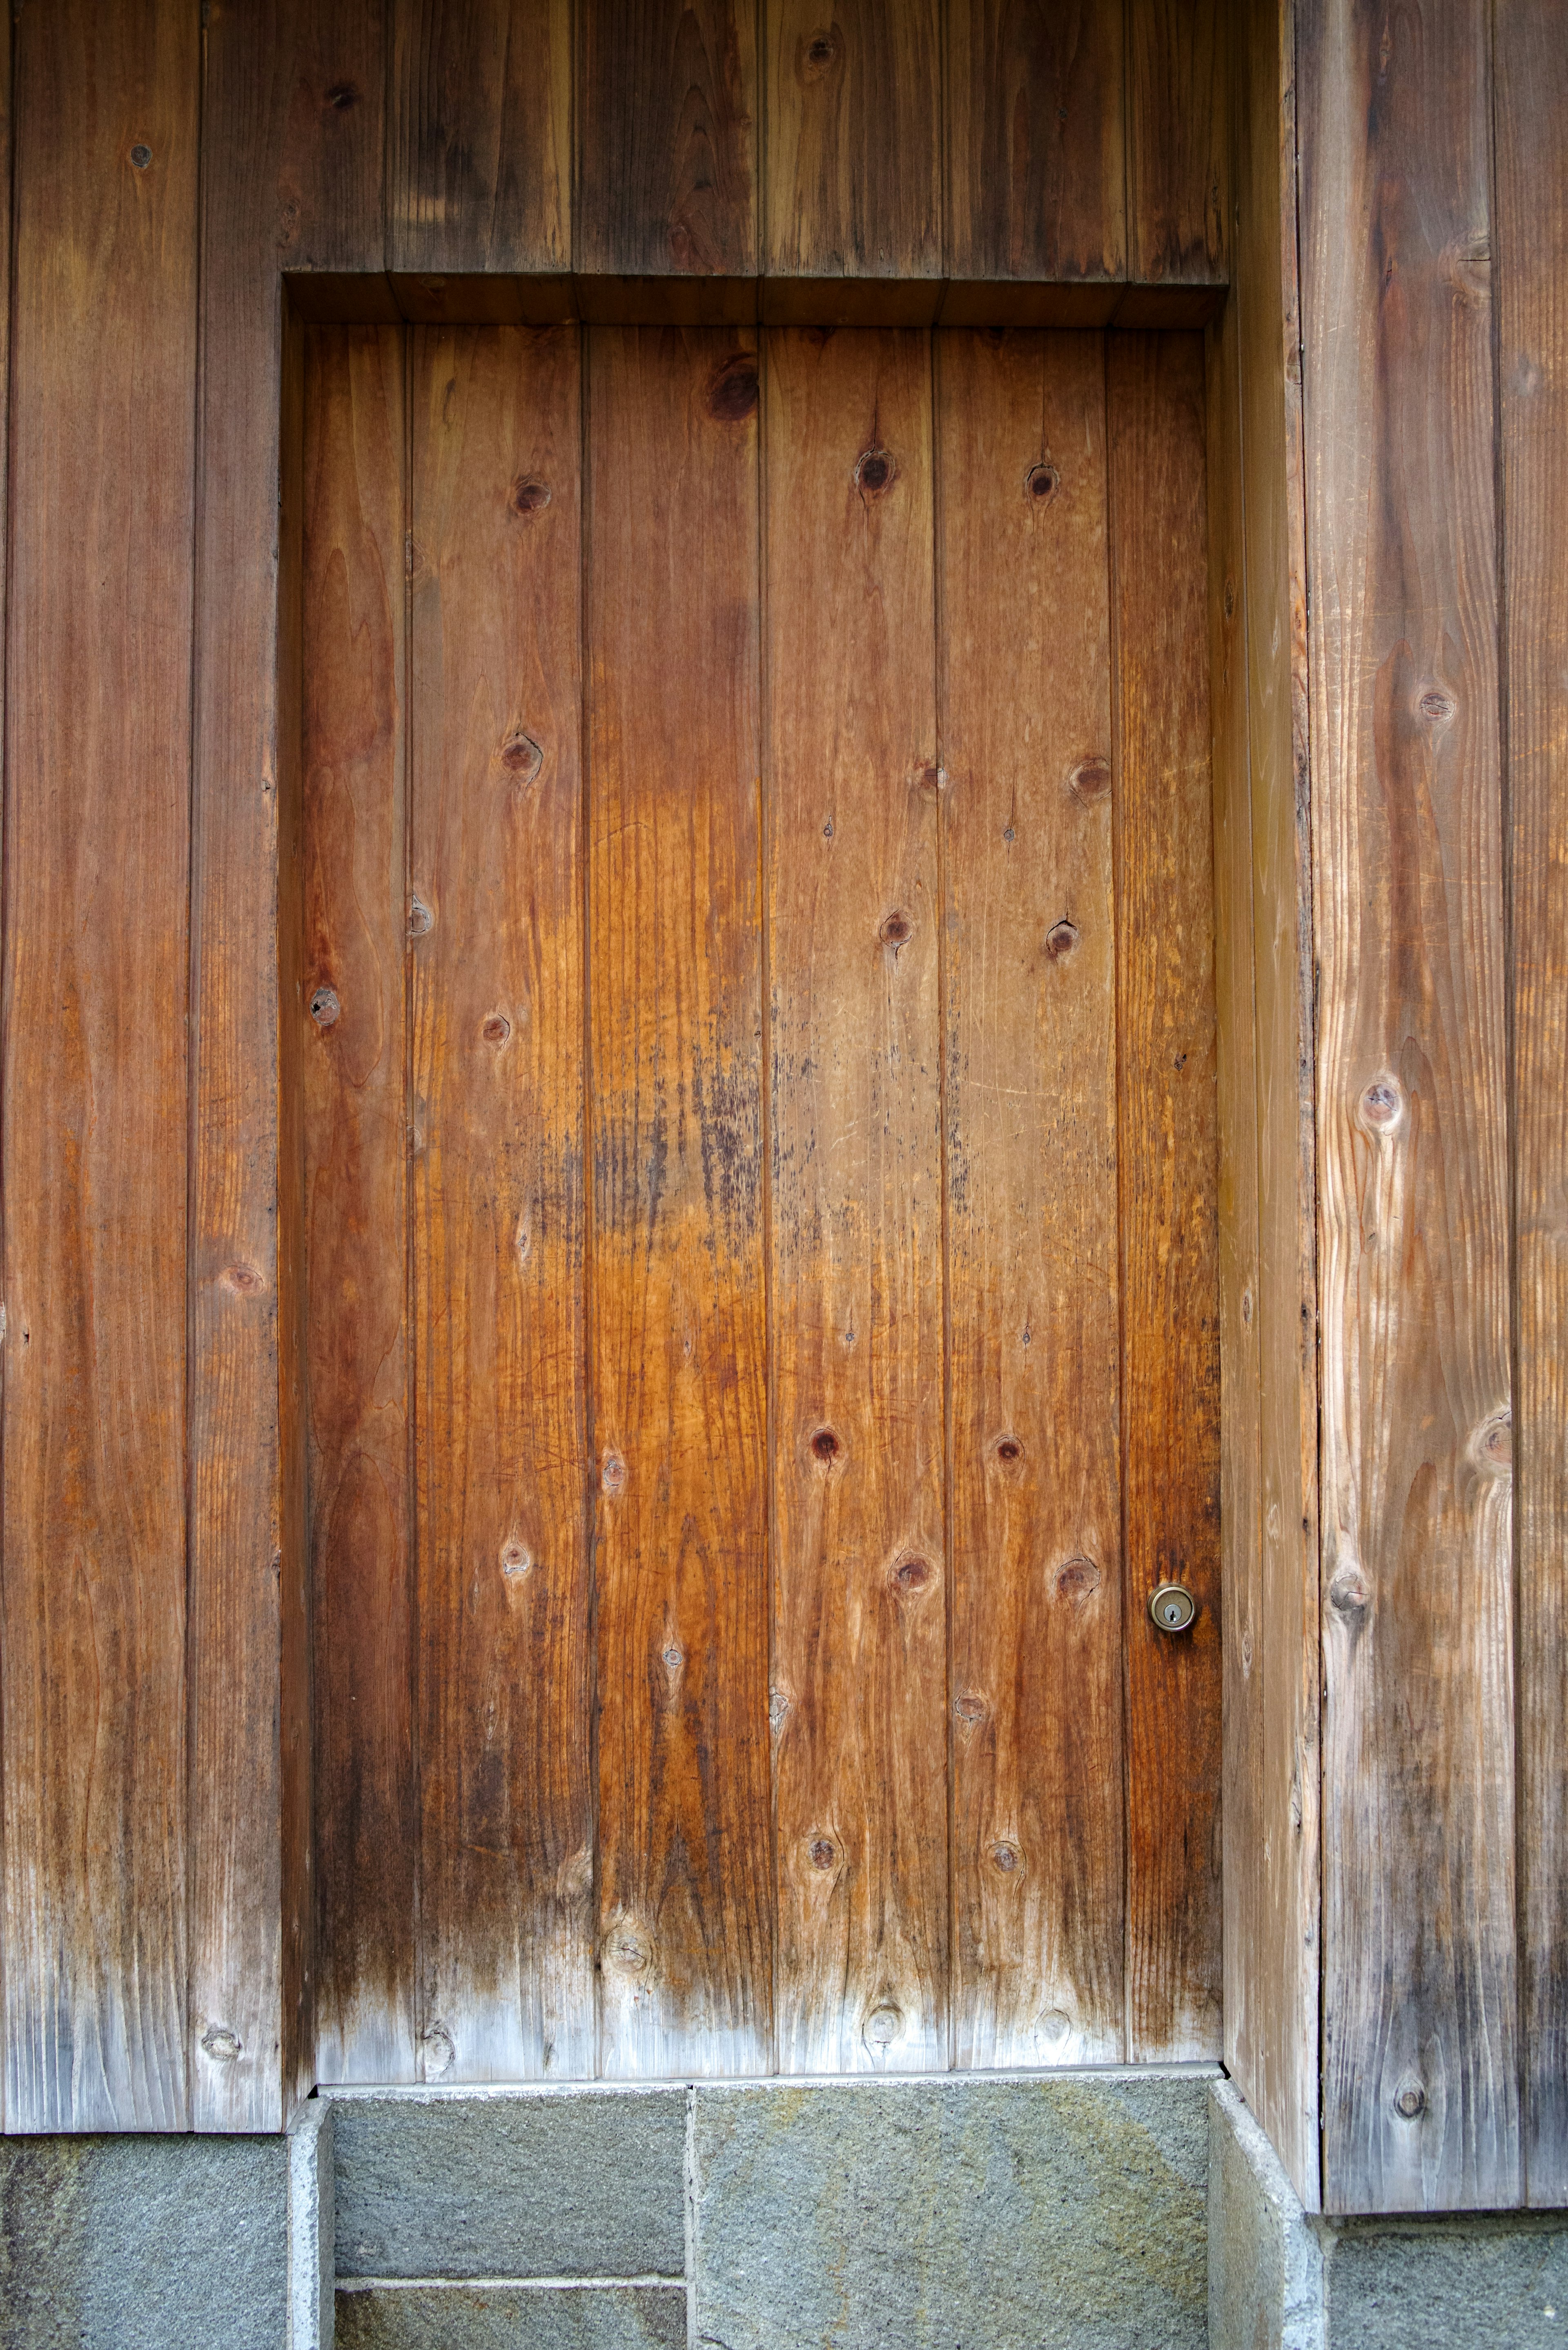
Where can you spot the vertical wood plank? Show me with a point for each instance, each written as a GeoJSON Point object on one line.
{"type": "Point", "coordinates": [667, 138]}
{"type": "Point", "coordinates": [353, 1022]}
{"type": "Point", "coordinates": [1271, 1989]}
{"type": "Point", "coordinates": [1036, 157]}
{"type": "Point", "coordinates": [1420, 2088]}
{"type": "Point", "coordinates": [6, 251]}
{"type": "Point", "coordinates": [1178, 199]}
{"type": "Point", "coordinates": [859, 1687]}
{"type": "Point", "coordinates": [292, 166]}
{"type": "Point", "coordinates": [1166, 1148]}
{"type": "Point", "coordinates": [1026, 716]}
{"type": "Point", "coordinates": [496, 918]}
{"type": "Point", "coordinates": [676, 1313]}
{"type": "Point", "coordinates": [95, 1079]}
{"type": "Point", "coordinates": [1531, 116]}
{"type": "Point", "coordinates": [478, 166]}
{"type": "Point", "coordinates": [852, 101]}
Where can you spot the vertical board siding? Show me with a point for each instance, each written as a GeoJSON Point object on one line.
{"type": "Point", "coordinates": [1167, 1155]}
{"type": "Point", "coordinates": [1036, 174]}
{"type": "Point", "coordinates": [1420, 2058]}
{"type": "Point", "coordinates": [1531, 117]}
{"type": "Point", "coordinates": [352, 1021]}
{"type": "Point", "coordinates": [480, 132]}
{"type": "Point", "coordinates": [860, 1672]}
{"type": "Point", "coordinates": [93, 1067]}
{"type": "Point", "coordinates": [1025, 723]}
{"type": "Point", "coordinates": [292, 165]}
{"type": "Point", "coordinates": [853, 98]}
{"type": "Point", "coordinates": [675, 1312]}
{"type": "Point", "coordinates": [1178, 199]}
{"type": "Point", "coordinates": [495, 924]}
{"type": "Point", "coordinates": [667, 137]}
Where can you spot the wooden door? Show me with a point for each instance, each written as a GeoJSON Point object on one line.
{"type": "Point", "coordinates": [760, 1129]}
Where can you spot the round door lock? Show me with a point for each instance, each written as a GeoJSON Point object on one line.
{"type": "Point", "coordinates": [1172, 1607]}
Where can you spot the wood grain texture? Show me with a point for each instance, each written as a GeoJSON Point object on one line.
{"type": "Point", "coordinates": [5, 192]}
{"type": "Point", "coordinates": [1166, 1148]}
{"type": "Point", "coordinates": [1036, 160]}
{"type": "Point", "coordinates": [1531, 118]}
{"type": "Point", "coordinates": [1177, 199]}
{"type": "Point", "coordinates": [676, 1308]}
{"type": "Point", "coordinates": [501, 1438]}
{"type": "Point", "coordinates": [667, 138]}
{"type": "Point", "coordinates": [1420, 2057]}
{"type": "Point", "coordinates": [853, 99]}
{"type": "Point", "coordinates": [479, 164]}
{"type": "Point", "coordinates": [292, 160]}
{"type": "Point", "coordinates": [1031, 1108]}
{"type": "Point", "coordinates": [1273, 1990]}
{"type": "Point", "coordinates": [94, 1069]}
{"type": "Point", "coordinates": [353, 1022]}
{"type": "Point", "coordinates": [859, 1663]}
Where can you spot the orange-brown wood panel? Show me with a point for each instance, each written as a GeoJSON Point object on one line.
{"type": "Point", "coordinates": [666, 130]}
{"type": "Point", "coordinates": [495, 921]}
{"type": "Point", "coordinates": [1531, 116]}
{"type": "Point", "coordinates": [93, 1067]}
{"type": "Point", "coordinates": [676, 1309]}
{"type": "Point", "coordinates": [1420, 2055]}
{"type": "Point", "coordinates": [479, 154]}
{"type": "Point", "coordinates": [1166, 1148]}
{"type": "Point", "coordinates": [292, 161]}
{"type": "Point", "coordinates": [853, 102]}
{"type": "Point", "coordinates": [1178, 62]}
{"type": "Point", "coordinates": [1036, 162]}
{"type": "Point", "coordinates": [1025, 724]}
{"type": "Point", "coordinates": [859, 1665]}
{"type": "Point", "coordinates": [352, 1059]}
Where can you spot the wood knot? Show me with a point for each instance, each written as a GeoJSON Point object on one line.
{"type": "Point", "coordinates": [514, 1558]}
{"type": "Point", "coordinates": [528, 495]}
{"type": "Point", "coordinates": [1041, 483]}
{"type": "Point", "coordinates": [1246, 1308]}
{"type": "Point", "coordinates": [1004, 1856]}
{"type": "Point", "coordinates": [1060, 939]}
{"type": "Point", "coordinates": [819, 52]}
{"type": "Point", "coordinates": [875, 472]}
{"type": "Point", "coordinates": [612, 1473]}
{"type": "Point", "coordinates": [1230, 599]}
{"type": "Point", "coordinates": [141, 156]}
{"type": "Point", "coordinates": [497, 1028]}
{"type": "Point", "coordinates": [522, 756]}
{"type": "Point", "coordinates": [893, 929]}
{"type": "Point", "coordinates": [732, 389]}
{"type": "Point", "coordinates": [822, 1851]}
{"type": "Point", "coordinates": [341, 96]}
{"type": "Point", "coordinates": [1090, 779]}
{"type": "Point", "coordinates": [1492, 1445]}
{"type": "Point", "coordinates": [1349, 1593]}
{"type": "Point", "coordinates": [970, 1708]}
{"type": "Point", "coordinates": [778, 1710]}
{"type": "Point", "coordinates": [244, 1280]}
{"type": "Point", "coordinates": [324, 1007]}
{"type": "Point", "coordinates": [911, 1573]}
{"type": "Point", "coordinates": [1382, 1106]}
{"type": "Point", "coordinates": [674, 1657]}
{"type": "Point", "coordinates": [930, 779]}
{"type": "Point", "coordinates": [1075, 1580]}
{"type": "Point", "coordinates": [825, 1445]}
{"type": "Point", "coordinates": [1437, 705]}
{"type": "Point", "coordinates": [1009, 1452]}
{"type": "Point", "coordinates": [1410, 2099]}
{"type": "Point", "coordinates": [1054, 2025]}
{"type": "Point", "coordinates": [883, 2026]}
{"type": "Point", "coordinates": [221, 2044]}
{"type": "Point", "coordinates": [419, 916]}
{"type": "Point", "coordinates": [440, 2050]}
{"type": "Point", "coordinates": [628, 1951]}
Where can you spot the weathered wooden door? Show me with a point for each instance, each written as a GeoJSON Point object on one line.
{"type": "Point", "coordinates": [758, 1040]}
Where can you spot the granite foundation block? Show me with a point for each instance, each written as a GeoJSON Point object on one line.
{"type": "Point", "coordinates": [512, 2317]}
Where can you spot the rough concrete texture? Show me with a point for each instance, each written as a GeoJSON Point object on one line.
{"type": "Point", "coordinates": [1265, 2262]}
{"type": "Point", "coordinates": [589, 2183]}
{"type": "Point", "coordinates": [512, 2317]}
{"type": "Point", "coordinates": [143, 2243]}
{"type": "Point", "coordinates": [1016, 2215]}
{"type": "Point", "coordinates": [1484, 2283]}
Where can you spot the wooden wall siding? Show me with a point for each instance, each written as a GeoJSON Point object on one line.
{"type": "Point", "coordinates": [1034, 1269]}
{"type": "Point", "coordinates": [478, 138]}
{"type": "Point", "coordinates": [1178, 63]}
{"type": "Point", "coordinates": [1530, 260]}
{"type": "Point", "coordinates": [853, 114]}
{"type": "Point", "coordinates": [95, 1089]}
{"type": "Point", "coordinates": [737, 1282]}
{"type": "Point", "coordinates": [860, 1604]}
{"type": "Point", "coordinates": [1264, 984]}
{"type": "Point", "coordinates": [668, 143]}
{"type": "Point", "coordinates": [1167, 1158]}
{"type": "Point", "coordinates": [1420, 2054]}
